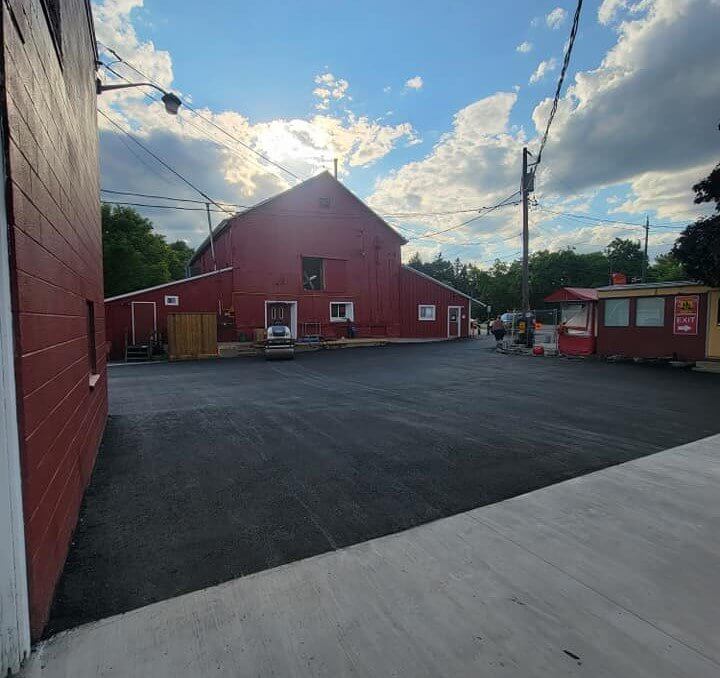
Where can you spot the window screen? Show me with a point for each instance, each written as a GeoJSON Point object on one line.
{"type": "Point", "coordinates": [341, 310]}
{"type": "Point", "coordinates": [617, 312]}
{"type": "Point", "coordinates": [312, 273]}
{"type": "Point", "coordinates": [650, 312]}
{"type": "Point", "coordinates": [426, 312]}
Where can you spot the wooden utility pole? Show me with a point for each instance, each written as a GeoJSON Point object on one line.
{"type": "Point", "coordinates": [212, 244]}
{"type": "Point", "coordinates": [647, 234]}
{"type": "Point", "coordinates": [525, 190]}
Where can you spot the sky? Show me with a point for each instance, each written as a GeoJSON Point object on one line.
{"type": "Point", "coordinates": [426, 106]}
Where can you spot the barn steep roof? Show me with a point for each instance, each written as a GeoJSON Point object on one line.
{"type": "Point", "coordinates": [226, 223]}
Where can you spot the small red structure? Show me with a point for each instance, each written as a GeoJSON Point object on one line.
{"type": "Point", "coordinates": [674, 320]}
{"type": "Point", "coordinates": [578, 319]}
{"type": "Point", "coordinates": [314, 258]}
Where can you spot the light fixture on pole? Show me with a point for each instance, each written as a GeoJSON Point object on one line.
{"type": "Point", "coordinates": [171, 101]}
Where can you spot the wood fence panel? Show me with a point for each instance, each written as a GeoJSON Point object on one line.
{"type": "Point", "coordinates": [192, 335]}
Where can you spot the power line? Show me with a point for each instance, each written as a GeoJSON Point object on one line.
{"type": "Point", "coordinates": [164, 207]}
{"type": "Point", "coordinates": [167, 197]}
{"type": "Point", "coordinates": [590, 217]}
{"type": "Point", "coordinates": [561, 79]}
{"type": "Point", "coordinates": [162, 162]}
{"type": "Point", "coordinates": [207, 120]}
{"type": "Point", "coordinates": [189, 123]}
{"type": "Point", "coordinates": [488, 210]}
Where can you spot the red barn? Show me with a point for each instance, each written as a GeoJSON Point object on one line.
{"type": "Point", "coordinates": [52, 336]}
{"type": "Point", "coordinates": [314, 258]}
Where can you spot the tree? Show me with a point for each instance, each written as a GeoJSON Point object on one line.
{"type": "Point", "coordinates": [666, 268]}
{"type": "Point", "coordinates": [698, 247]}
{"type": "Point", "coordinates": [626, 256]}
{"type": "Point", "coordinates": [134, 257]}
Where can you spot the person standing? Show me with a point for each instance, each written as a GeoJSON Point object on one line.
{"type": "Point", "coordinates": [498, 329]}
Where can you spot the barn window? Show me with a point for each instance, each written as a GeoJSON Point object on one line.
{"type": "Point", "coordinates": [91, 345]}
{"type": "Point", "coordinates": [650, 312]}
{"type": "Point", "coordinates": [341, 311]}
{"type": "Point", "coordinates": [426, 312]}
{"type": "Point", "coordinates": [312, 273]}
{"type": "Point", "coordinates": [324, 202]}
{"type": "Point", "coordinates": [172, 300]}
{"type": "Point", "coordinates": [617, 312]}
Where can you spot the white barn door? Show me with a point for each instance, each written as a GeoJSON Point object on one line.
{"type": "Point", "coordinates": [14, 623]}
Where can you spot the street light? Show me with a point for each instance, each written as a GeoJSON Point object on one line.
{"type": "Point", "coordinates": [171, 101]}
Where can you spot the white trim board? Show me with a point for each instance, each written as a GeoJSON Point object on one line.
{"type": "Point", "coordinates": [174, 282]}
{"type": "Point", "coordinates": [14, 611]}
{"type": "Point", "coordinates": [442, 284]}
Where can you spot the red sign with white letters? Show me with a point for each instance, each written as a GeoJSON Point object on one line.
{"type": "Point", "coordinates": [686, 314]}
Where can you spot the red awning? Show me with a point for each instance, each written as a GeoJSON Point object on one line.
{"type": "Point", "coordinates": [573, 294]}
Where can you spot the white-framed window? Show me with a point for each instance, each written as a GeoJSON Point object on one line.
{"type": "Point", "coordinates": [172, 300]}
{"type": "Point", "coordinates": [426, 311]}
{"type": "Point", "coordinates": [650, 312]}
{"type": "Point", "coordinates": [341, 311]}
{"type": "Point", "coordinates": [617, 312]}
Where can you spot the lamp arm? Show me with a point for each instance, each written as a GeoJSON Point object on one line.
{"type": "Point", "coordinates": [106, 88]}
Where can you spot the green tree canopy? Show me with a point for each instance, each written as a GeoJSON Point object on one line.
{"type": "Point", "coordinates": [698, 247]}
{"type": "Point", "coordinates": [134, 257]}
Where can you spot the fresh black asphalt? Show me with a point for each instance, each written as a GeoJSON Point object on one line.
{"type": "Point", "coordinates": [213, 470]}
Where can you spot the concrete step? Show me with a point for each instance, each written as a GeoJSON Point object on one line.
{"type": "Point", "coordinates": [707, 366]}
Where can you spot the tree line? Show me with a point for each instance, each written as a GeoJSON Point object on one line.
{"type": "Point", "coordinates": [695, 256]}
{"type": "Point", "coordinates": [135, 257]}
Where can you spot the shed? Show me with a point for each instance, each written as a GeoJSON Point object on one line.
{"type": "Point", "coordinates": [578, 319]}
{"type": "Point", "coordinates": [677, 319]}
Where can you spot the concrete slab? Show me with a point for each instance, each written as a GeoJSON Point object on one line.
{"type": "Point", "coordinates": [610, 574]}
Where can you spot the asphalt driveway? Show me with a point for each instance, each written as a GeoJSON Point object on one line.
{"type": "Point", "coordinates": [213, 470]}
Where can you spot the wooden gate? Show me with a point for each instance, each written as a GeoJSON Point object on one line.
{"type": "Point", "coordinates": [192, 335]}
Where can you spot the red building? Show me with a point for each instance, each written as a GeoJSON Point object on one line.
{"type": "Point", "coordinates": [578, 319]}
{"type": "Point", "coordinates": [679, 320]}
{"type": "Point", "coordinates": [52, 337]}
{"type": "Point", "coordinates": [314, 258]}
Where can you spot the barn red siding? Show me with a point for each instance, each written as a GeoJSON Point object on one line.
{"type": "Point", "coordinates": [652, 342]}
{"type": "Point", "coordinates": [415, 290]}
{"type": "Point", "coordinates": [362, 260]}
{"type": "Point", "coordinates": [361, 265]}
{"type": "Point", "coordinates": [56, 255]}
{"type": "Point", "coordinates": [198, 295]}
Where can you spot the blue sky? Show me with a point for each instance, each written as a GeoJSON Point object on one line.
{"type": "Point", "coordinates": [453, 140]}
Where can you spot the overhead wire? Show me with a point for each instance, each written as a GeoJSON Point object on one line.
{"type": "Point", "coordinates": [162, 162]}
{"type": "Point", "coordinates": [186, 121]}
{"type": "Point", "coordinates": [167, 197]}
{"type": "Point", "coordinates": [202, 117]}
{"type": "Point", "coordinates": [487, 210]}
{"type": "Point", "coordinates": [561, 80]}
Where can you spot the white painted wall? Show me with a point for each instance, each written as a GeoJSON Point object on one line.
{"type": "Point", "coordinates": [14, 622]}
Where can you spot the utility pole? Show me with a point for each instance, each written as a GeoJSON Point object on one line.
{"type": "Point", "coordinates": [212, 244]}
{"type": "Point", "coordinates": [525, 189]}
{"type": "Point", "coordinates": [647, 233]}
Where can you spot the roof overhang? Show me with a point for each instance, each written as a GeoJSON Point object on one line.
{"type": "Point", "coordinates": [445, 285]}
{"type": "Point", "coordinates": [170, 284]}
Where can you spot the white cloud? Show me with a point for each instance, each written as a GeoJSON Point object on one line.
{"type": "Point", "coordinates": [329, 88]}
{"type": "Point", "coordinates": [524, 47]}
{"type": "Point", "coordinates": [556, 18]}
{"type": "Point", "coordinates": [609, 9]}
{"type": "Point", "coordinates": [414, 83]}
{"type": "Point", "coordinates": [474, 165]}
{"type": "Point", "coordinates": [224, 168]}
{"type": "Point", "coordinates": [387, 89]}
{"type": "Point", "coordinates": [645, 113]}
{"type": "Point", "coordinates": [543, 68]}
{"type": "Point", "coordinates": [535, 22]}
